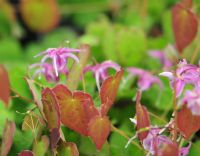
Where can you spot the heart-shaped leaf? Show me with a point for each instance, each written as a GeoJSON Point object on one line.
{"type": "Point", "coordinates": [187, 122]}
{"type": "Point", "coordinates": [26, 153]}
{"type": "Point", "coordinates": [51, 108]}
{"type": "Point", "coordinates": [67, 149]}
{"type": "Point", "coordinates": [168, 149]}
{"type": "Point", "coordinates": [7, 139]}
{"type": "Point", "coordinates": [187, 3]}
{"type": "Point", "coordinates": [36, 94]}
{"type": "Point", "coordinates": [99, 129]}
{"type": "Point", "coordinates": [185, 25]}
{"type": "Point", "coordinates": [108, 91]}
{"type": "Point", "coordinates": [142, 118]}
{"type": "Point", "coordinates": [77, 108]}
{"type": "Point", "coordinates": [4, 86]}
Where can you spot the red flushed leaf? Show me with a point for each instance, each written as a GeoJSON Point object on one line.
{"type": "Point", "coordinates": [54, 137]}
{"type": "Point", "coordinates": [187, 123]}
{"type": "Point", "coordinates": [187, 3]}
{"type": "Point", "coordinates": [185, 26]}
{"type": "Point", "coordinates": [142, 118]}
{"type": "Point", "coordinates": [108, 91]}
{"type": "Point", "coordinates": [4, 86]}
{"type": "Point", "coordinates": [51, 108]}
{"type": "Point", "coordinates": [67, 149]}
{"type": "Point", "coordinates": [168, 149]}
{"type": "Point", "coordinates": [26, 153]}
{"type": "Point", "coordinates": [99, 129]}
{"type": "Point", "coordinates": [7, 139]}
{"type": "Point", "coordinates": [77, 108]}
{"type": "Point", "coordinates": [36, 94]}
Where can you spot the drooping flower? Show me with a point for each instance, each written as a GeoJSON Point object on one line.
{"type": "Point", "coordinates": [58, 57]}
{"type": "Point", "coordinates": [184, 74]}
{"type": "Point", "coordinates": [100, 71]}
{"type": "Point", "coordinates": [54, 62]}
{"type": "Point", "coordinates": [146, 79]}
{"type": "Point", "coordinates": [161, 56]}
{"type": "Point", "coordinates": [192, 100]}
{"type": "Point", "coordinates": [47, 70]}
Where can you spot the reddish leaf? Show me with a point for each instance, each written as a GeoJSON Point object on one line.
{"type": "Point", "coordinates": [4, 86]}
{"type": "Point", "coordinates": [54, 137]}
{"type": "Point", "coordinates": [187, 123]}
{"type": "Point", "coordinates": [26, 153]}
{"type": "Point", "coordinates": [185, 25]}
{"type": "Point", "coordinates": [36, 95]}
{"type": "Point", "coordinates": [142, 117]}
{"type": "Point", "coordinates": [187, 3]}
{"type": "Point", "coordinates": [108, 91]}
{"type": "Point", "coordinates": [76, 108]}
{"type": "Point", "coordinates": [169, 149]}
{"type": "Point", "coordinates": [99, 129]}
{"type": "Point", "coordinates": [7, 139]}
{"type": "Point", "coordinates": [51, 108]}
{"type": "Point", "coordinates": [68, 149]}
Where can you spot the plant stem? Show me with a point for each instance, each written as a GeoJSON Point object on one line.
{"type": "Point", "coordinates": [17, 95]}
{"type": "Point", "coordinates": [194, 55]}
{"type": "Point", "coordinates": [115, 129]}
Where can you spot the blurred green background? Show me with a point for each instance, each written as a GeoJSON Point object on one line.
{"type": "Point", "coordinates": [119, 30]}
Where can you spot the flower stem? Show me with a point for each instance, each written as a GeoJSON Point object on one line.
{"type": "Point", "coordinates": [175, 115]}
{"type": "Point", "coordinates": [116, 130]}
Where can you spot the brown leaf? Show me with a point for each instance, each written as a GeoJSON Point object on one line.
{"type": "Point", "coordinates": [168, 149]}
{"type": "Point", "coordinates": [142, 118]}
{"type": "Point", "coordinates": [51, 108]}
{"type": "Point", "coordinates": [4, 86]}
{"type": "Point", "coordinates": [54, 137]}
{"type": "Point", "coordinates": [99, 129]}
{"type": "Point", "coordinates": [187, 122]}
{"type": "Point", "coordinates": [109, 90]}
{"type": "Point", "coordinates": [7, 140]}
{"type": "Point", "coordinates": [185, 25]}
{"type": "Point", "coordinates": [77, 108]}
{"type": "Point", "coordinates": [26, 153]}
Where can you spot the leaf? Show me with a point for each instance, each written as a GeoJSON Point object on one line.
{"type": "Point", "coordinates": [40, 148]}
{"type": "Point", "coordinates": [68, 149]}
{"type": "Point", "coordinates": [169, 149]}
{"type": "Point", "coordinates": [36, 94]}
{"type": "Point", "coordinates": [142, 118]}
{"type": "Point", "coordinates": [7, 139]}
{"type": "Point", "coordinates": [51, 108]}
{"type": "Point", "coordinates": [187, 123]}
{"type": "Point", "coordinates": [32, 121]}
{"type": "Point", "coordinates": [4, 86]}
{"type": "Point", "coordinates": [54, 137]}
{"type": "Point", "coordinates": [77, 108]}
{"type": "Point", "coordinates": [99, 129]}
{"type": "Point", "coordinates": [108, 91]}
{"type": "Point", "coordinates": [187, 3]}
{"type": "Point", "coordinates": [26, 153]}
{"type": "Point", "coordinates": [37, 9]}
{"type": "Point", "coordinates": [185, 26]}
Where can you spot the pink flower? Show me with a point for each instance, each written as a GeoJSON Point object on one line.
{"type": "Point", "coordinates": [184, 74]}
{"type": "Point", "coordinates": [146, 79]}
{"type": "Point", "coordinates": [184, 150]}
{"type": "Point", "coordinates": [161, 56]}
{"type": "Point", "coordinates": [48, 71]}
{"type": "Point", "coordinates": [59, 57]}
{"type": "Point", "coordinates": [100, 71]}
{"type": "Point", "coordinates": [192, 100]}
